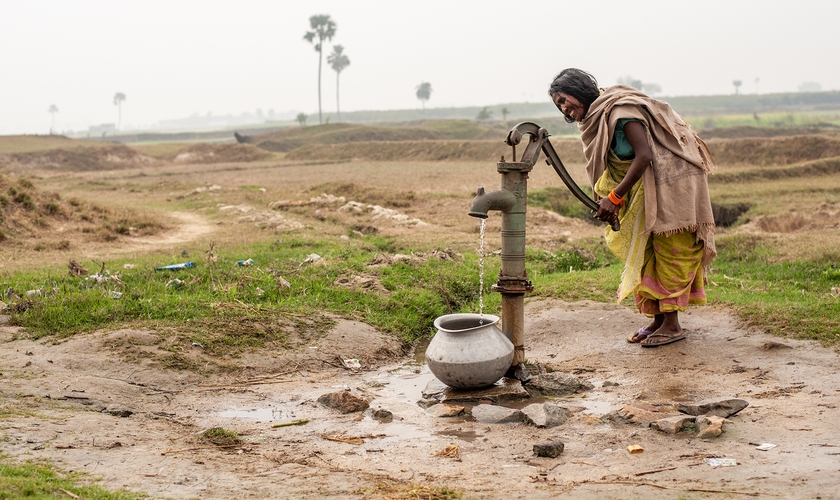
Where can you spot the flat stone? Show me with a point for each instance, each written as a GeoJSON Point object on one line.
{"type": "Point", "coordinates": [426, 403]}
{"type": "Point", "coordinates": [710, 426]}
{"type": "Point", "coordinates": [673, 425]}
{"type": "Point", "coordinates": [444, 410]}
{"type": "Point", "coordinates": [556, 384]}
{"type": "Point", "coordinates": [552, 449]}
{"type": "Point", "coordinates": [546, 415]}
{"type": "Point", "coordinates": [343, 402]}
{"type": "Point", "coordinates": [492, 414]}
{"type": "Point", "coordinates": [721, 407]}
{"type": "Point", "coordinates": [634, 415]}
{"type": "Point", "coordinates": [5, 319]}
{"type": "Point", "coordinates": [506, 389]}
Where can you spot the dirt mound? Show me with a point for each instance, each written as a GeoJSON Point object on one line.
{"type": "Point", "coordinates": [741, 132]}
{"type": "Point", "coordinates": [570, 151]}
{"type": "Point", "coordinates": [290, 139]}
{"type": "Point", "coordinates": [774, 151]}
{"type": "Point", "coordinates": [220, 153]}
{"type": "Point", "coordinates": [10, 144]}
{"type": "Point", "coordinates": [828, 166]}
{"type": "Point", "coordinates": [45, 221]}
{"type": "Point", "coordinates": [80, 158]}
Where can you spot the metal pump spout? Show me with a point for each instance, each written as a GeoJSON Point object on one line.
{"type": "Point", "coordinates": [501, 200]}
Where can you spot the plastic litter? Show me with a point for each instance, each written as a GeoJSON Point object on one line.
{"type": "Point", "coordinates": [721, 462]}
{"type": "Point", "coordinates": [313, 257]}
{"type": "Point", "coordinates": [765, 446]}
{"type": "Point", "coordinates": [196, 344]}
{"type": "Point", "coordinates": [176, 283]}
{"type": "Point", "coordinates": [352, 363]}
{"type": "Point", "coordinates": [634, 448]}
{"type": "Point", "coordinates": [116, 295]}
{"type": "Point", "coordinates": [175, 267]}
{"type": "Point", "coordinates": [33, 293]}
{"type": "Point", "coordinates": [245, 263]}
{"type": "Point", "coordinates": [128, 266]}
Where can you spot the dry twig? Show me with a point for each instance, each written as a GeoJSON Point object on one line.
{"type": "Point", "coordinates": [654, 485]}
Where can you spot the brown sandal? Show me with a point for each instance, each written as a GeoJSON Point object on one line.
{"type": "Point", "coordinates": [666, 339]}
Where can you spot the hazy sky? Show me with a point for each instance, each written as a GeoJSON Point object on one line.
{"type": "Point", "coordinates": [174, 58]}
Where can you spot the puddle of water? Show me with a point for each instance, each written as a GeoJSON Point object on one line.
{"type": "Point", "coordinates": [259, 414]}
{"type": "Point", "coordinates": [420, 352]}
{"type": "Point", "coordinates": [468, 436]}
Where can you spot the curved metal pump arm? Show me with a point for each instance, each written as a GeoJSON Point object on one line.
{"type": "Point", "coordinates": [539, 142]}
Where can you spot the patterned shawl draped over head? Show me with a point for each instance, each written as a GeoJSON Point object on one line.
{"type": "Point", "coordinates": [676, 190]}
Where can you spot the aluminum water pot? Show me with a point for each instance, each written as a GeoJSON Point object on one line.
{"type": "Point", "coordinates": [469, 351]}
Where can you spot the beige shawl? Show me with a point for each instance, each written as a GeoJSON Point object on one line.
{"type": "Point", "coordinates": [676, 190]}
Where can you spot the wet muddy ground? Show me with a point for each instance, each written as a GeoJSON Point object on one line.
{"type": "Point", "coordinates": [67, 403]}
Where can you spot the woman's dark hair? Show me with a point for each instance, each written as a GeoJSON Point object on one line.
{"type": "Point", "coordinates": [578, 84]}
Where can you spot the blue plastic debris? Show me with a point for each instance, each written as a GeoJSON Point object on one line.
{"type": "Point", "coordinates": [245, 263]}
{"type": "Point", "coordinates": [175, 267]}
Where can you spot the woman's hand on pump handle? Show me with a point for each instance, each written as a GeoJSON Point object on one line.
{"type": "Point", "coordinates": [608, 212]}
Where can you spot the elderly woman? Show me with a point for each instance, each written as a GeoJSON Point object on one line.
{"type": "Point", "coordinates": [649, 169]}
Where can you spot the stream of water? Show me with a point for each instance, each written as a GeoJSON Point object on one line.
{"type": "Point", "coordinates": [481, 272]}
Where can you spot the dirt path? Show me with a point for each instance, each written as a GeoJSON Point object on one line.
{"type": "Point", "coordinates": [63, 403]}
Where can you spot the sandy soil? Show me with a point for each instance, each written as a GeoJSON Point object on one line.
{"type": "Point", "coordinates": [63, 401]}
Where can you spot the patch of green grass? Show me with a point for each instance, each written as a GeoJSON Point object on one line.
{"type": "Point", "coordinates": [221, 436]}
{"type": "Point", "coordinates": [559, 199]}
{"type": "Point", "coordinates": [40, 481]}
{"type": "Point", "coordinates": [790, 298]}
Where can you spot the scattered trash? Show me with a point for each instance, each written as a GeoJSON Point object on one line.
{"type": "Point", "coordinates": [129, 266]}
{"type": "Point", "coordinates": [33, 293]}
{"type": "Point", "coordinates": [259, 291]}
{"type": "Point", "coordinates": [721, 462]}
{"type": "Point", "coordinates": [313, 257]}
{"type": "Point", "coordinates": [634, 448]}
{"type": "Point", "coordinates": [245, 263]}
{"type": "Point", "coordinates": [282, 283]}
{"type": "Point", "coordinates": [451, 451]}
{"type": "Point", "coordinates": [175, 267]}
{"type": "Point", "coordinates": [196, 344]}
{"type": "Point", "coordinates": [765, 446]}
{"type": "Point", "coordinates": [342, 438]}
{"type": "Point", "coordinates": [293, 422]}
{"type": "Point", "coordinates": [340, 386]}
{"type": "Point", "coordinates": [353, 364]}
{"type": "Point", "coordinates": [176, 283]}
{"type": "Point", "coordinates": [2, 305]}
{"type": "Point", "coordinates": [116, 295]}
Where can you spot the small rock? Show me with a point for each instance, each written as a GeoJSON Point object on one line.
{"type": "Point", "coordinates": [506, 389]}
{"type": "Point", "coordinates": [634, 415]}
{"type": "Point", "coordinates": [609, 383]}
{"type": "Point", "coordinates": [5, 319]}
{"type": "Point", "coordinates": [546, 415]}
{"type": "Point", "coordinates": [492, 414]}
{"type": "Point", "coordinates": [710, 426]}
{"type": "Point", "coordinates": [382, 415]}
{"type": "Point", "coordinates": [118, 411]}
{"type": "Point", "coordinates": [556, 384]}
{"type": "Point", "coordinates": [772, 344]}
{"type": "Point", "coordinates": [343, 402]}
{"type": "Point", "coordinates": [552, 449]}
{"type": "Point", "coordinates": [672, 425]}
{"type": "Point", "coordinates": [444, 410]}
{"type": "Point", "coordinates": [427, 403]}
{"type": "Point", "coordinates": [721, 407]}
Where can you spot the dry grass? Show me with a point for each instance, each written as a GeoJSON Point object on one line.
{"type": "Point", "coordinates": [12, 144]}
{"type": "Point", "coordinates": [220, 153]}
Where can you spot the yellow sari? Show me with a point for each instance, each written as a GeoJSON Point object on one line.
{"type": "Point", "coordinates": [663, 271]}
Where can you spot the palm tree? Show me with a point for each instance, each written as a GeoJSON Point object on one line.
{"type": "Point", "coordinates": [505, 112]}
{"type": "Point", "coordinates": [324, 28]}
{"type": "Point", "coordinates": [119, 97]}
{"type": "Point", "coordinates": [339, 61]}
{"type": "Point", "coordinates": [301, 118]}
{"type": "Point", "coordinates": [53, 110]}
{"type": "Point", "coordinates": [424, 92]}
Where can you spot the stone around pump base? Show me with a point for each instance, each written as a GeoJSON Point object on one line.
{"type": "Point", "coordinates": [444, 410]}
{"type": "Point", "coordinates": [506, 389]}
{"type": "Point", "coordinates": [492, 414]}
{"type": "Point", "coordinates": [550, 450]}
{"type": "Point", "coordinates": [556, 384]}
{"type": "Point", "coordinates": [721, 407]}
{"type": "Point", "coordinates": [546, 415]}
{"type": "Point", "coordinates": [343, 401]}
{"type": "Point", "coordinates": [673, 425]}
{"type": "Point", "coordinates": [710, 426]}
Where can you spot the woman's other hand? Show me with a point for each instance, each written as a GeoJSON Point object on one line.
{"type": "Point", "coordinates": [607, 211]}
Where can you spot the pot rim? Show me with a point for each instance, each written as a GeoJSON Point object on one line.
{"type": "Point", "coordinates": [489, 320]}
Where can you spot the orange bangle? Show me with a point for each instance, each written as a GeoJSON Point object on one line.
{"type": "Point", "coordinates": [615, 200]}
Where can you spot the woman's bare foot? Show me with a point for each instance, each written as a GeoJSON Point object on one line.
{"type": "Point", "coordinates": [669, 331]}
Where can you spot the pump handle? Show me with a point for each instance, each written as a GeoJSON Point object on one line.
{"type": "Point", "coordinates": [539, 142]}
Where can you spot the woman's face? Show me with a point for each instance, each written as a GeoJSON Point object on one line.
{"type": "Point", "coordinates": [569, 106]}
